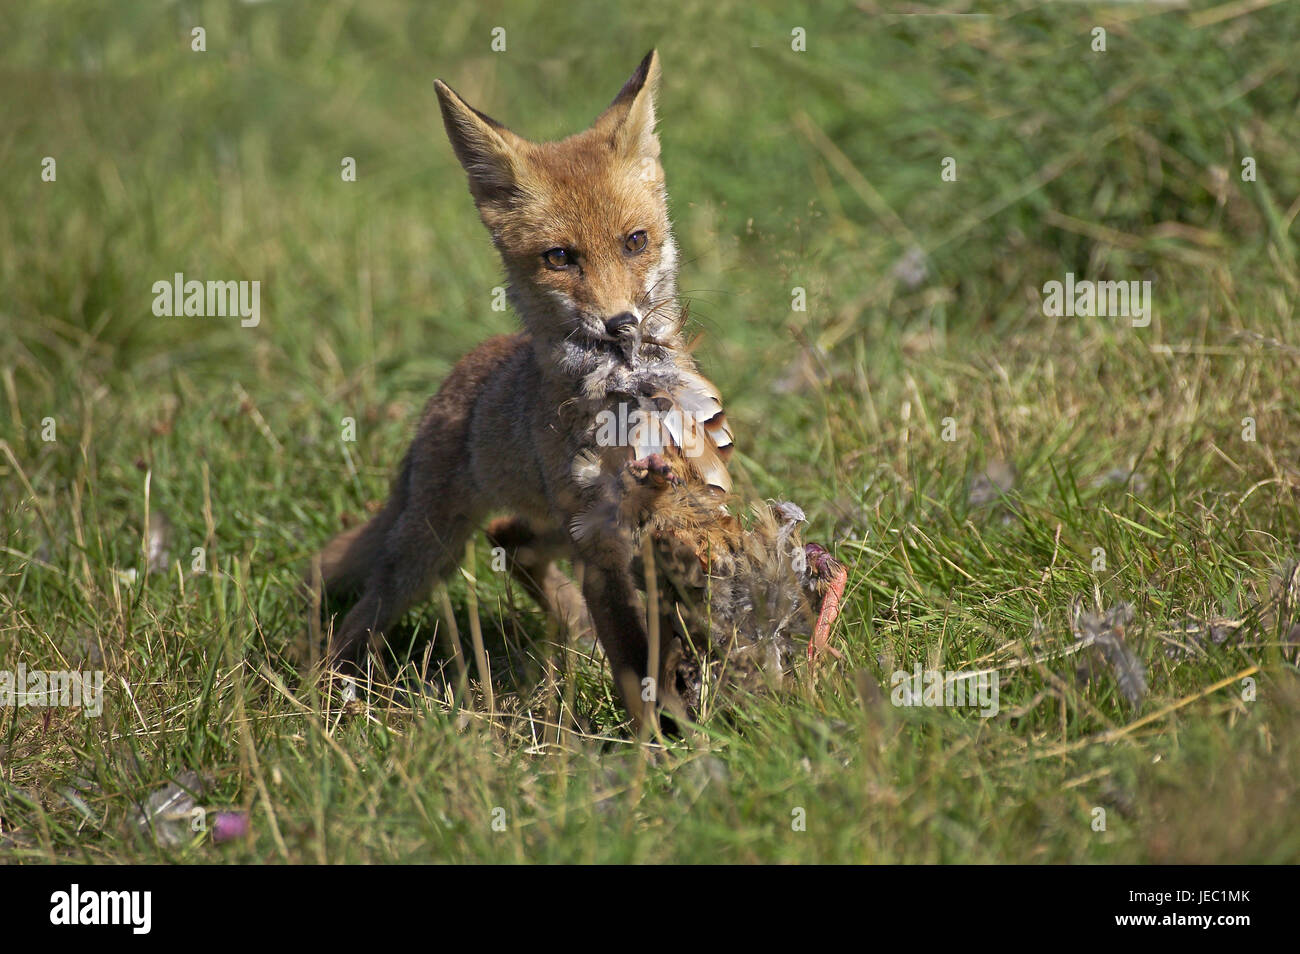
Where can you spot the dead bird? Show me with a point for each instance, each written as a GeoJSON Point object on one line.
{"type": "Point", "coordinates": [737, 597]}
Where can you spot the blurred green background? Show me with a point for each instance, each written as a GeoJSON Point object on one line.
{"type": "Point", "coordinates": [818, 169]}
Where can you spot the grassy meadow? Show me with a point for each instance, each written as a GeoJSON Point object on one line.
{"type": "Point", "coordinates": [990, 474]}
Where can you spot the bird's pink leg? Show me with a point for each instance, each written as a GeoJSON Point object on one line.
{"type": "Point", "coordinates": [830, 611]}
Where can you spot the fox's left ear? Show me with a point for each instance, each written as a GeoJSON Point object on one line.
{"type": "Point", "coordinates": [630, 119]}
{"type": "Point", "coordinates": [487, 150]}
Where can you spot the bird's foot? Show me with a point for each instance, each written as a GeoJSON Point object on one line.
{"type": "Point", "coordinates": [832, 577]}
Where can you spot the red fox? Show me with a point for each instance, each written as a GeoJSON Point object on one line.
{"type": "Point", "coordinates": [582, 229]}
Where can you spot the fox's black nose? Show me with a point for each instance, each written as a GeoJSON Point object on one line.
{"type": "Point", "coordinates": [619, 322]}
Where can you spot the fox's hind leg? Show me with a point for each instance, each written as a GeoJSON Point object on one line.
{"type": "Point", "coordinates": [420, 549]}
{"type": "Point", "coordinates": [435, 503]}
{"type": "Point", "coordinates": [416, 540]}
{"type": "Point", "coordinates": [530, 555]}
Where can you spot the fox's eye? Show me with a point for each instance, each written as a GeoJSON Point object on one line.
{"type": "Point", "coordinates": [636, 242]}
{"type": "Point", "coordinates": [557, 258]}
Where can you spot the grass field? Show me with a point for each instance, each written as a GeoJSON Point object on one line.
{"type": "Point", "coordinates": [1087, 462]}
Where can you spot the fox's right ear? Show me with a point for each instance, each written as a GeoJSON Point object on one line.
{"type": "Point", "coordinates": [487, 150]}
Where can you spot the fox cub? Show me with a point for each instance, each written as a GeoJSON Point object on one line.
{"type": "Point", "coordinates": [582, 229]}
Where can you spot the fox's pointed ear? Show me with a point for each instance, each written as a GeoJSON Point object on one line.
{"type": "Point", "coordinates": [487, 150]}
{"type": "Point", "coordinates": [630, 119]}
